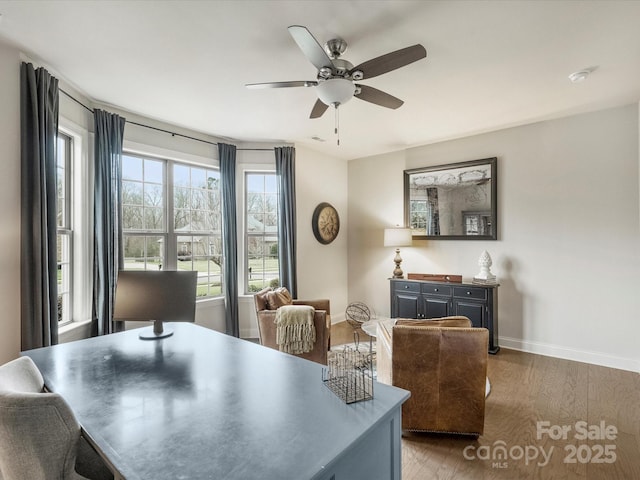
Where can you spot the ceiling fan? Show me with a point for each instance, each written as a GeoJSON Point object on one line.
{"type": "Point", "coordinates": [335, 82]}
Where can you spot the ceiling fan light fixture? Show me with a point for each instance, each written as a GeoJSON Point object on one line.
{"type": "Point", "coordinates": [335, 91]}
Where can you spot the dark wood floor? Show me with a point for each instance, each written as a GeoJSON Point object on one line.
{"type": "Point", "coordinates": [527, 389]}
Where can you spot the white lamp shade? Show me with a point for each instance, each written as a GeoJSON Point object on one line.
{"type": "Point", "coordinates": [335, 90]}
{"type": "Point", "coordinates": [397, 237]}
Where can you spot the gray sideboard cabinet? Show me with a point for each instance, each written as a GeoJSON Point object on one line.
{"type": "Point", "coordinates": [424, 299]}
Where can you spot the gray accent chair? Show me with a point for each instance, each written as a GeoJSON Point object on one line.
{"type": "Point", "coordinates": [39, 435]}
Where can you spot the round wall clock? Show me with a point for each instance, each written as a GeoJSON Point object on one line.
{"type": "Point", "coordinates": [325, 223]}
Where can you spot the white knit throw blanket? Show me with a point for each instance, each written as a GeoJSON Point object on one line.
{"type": "Point", "coordinates": [295, 331]}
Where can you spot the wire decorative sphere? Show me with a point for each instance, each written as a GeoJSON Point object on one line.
{"type": "Point", "coordinates": [357, 313]}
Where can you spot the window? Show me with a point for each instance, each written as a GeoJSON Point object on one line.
{"type": "Point", "coordinates": [261, 229]}
{"type": "Point", "coordinates": [64, 227]}
{"type": "Point", "coordinates": [171, 219]}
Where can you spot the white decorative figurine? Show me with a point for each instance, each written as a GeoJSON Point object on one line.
{"type": "Point", "coordinates": [485, 275]}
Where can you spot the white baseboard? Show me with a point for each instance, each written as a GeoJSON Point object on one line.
{"type": "Point", "coordinates": [557, 351]}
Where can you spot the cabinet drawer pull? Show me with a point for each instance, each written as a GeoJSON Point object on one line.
{"type": "Point", "coordinates": [468, 293]}
{"type": "Point", "coordinates": [406, 287]}
{"type": "Point", "coordinates": [435, 289]}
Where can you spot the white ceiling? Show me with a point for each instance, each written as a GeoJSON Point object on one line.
{"type": "Point", "coordinates": [490, 64]}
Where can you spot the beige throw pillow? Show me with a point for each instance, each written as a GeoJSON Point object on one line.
{"type": "Point", "coordinates": [278, 297]}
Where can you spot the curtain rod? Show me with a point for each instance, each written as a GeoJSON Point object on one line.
{"type": "Point", "coordinates": [173, 134]}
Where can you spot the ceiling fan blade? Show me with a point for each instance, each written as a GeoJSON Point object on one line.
{"type": "Point", "coordinates": [310, 47]}
{"type": "Point", "coordinates": [318, 109]}
{"type": "Point", "coordinates": [390, 61]}
{"type": "Point", "coordinates": [297, 83]}
{"type": "Point", "coordinates": [373, 95]}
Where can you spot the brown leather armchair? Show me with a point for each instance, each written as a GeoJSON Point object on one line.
{"type": "Point", "coordinates": [443, 363]}
{"type": "Point", "coordinates": [322, 321]}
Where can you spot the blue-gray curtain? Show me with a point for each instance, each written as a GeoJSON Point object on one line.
{"type": "Point", "coordinates": [286, 174]}
{"type": "Point", "coordinates": [227, 155]}
{"type": "Point", "coordinates": [107, 254]}
{"type": "Point", "coordinates": [38, 257]}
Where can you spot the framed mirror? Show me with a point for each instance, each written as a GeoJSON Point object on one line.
{"type": "Point", "coordinates": [457, 201]}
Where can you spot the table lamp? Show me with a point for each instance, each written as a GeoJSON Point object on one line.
{"type": "Point", "coordinates": [397, 237]}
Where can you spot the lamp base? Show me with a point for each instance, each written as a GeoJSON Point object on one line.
{"type": "Point", "coordinates": [397, 272]}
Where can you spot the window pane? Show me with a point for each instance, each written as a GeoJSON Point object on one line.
{"type": "Point", "coordinates": [198, 178]}
{"type": "Point", "coordinates": [131, 193]}
{"type": "Point", "coordinates": [216, 225]}
{"type": "Point", "coordinates": [64, 276]}
{"type": "Point", "coordinates": [153, 171]}
{"type": "Point", "coordinates": [153, 195]}
{"type": "Point", "coordinates": [255, 223]}
{"type": "Point", "coordinates": [131, 168]}
{"type": "Point", "coordinates": [255, 203]}
{"type": "Point", "coordinates": [142, 252]}
{"type": "Point", "coordinates": [181, 197]}
{"type": "Point", "coordinates": [201, 253]}
{"type": "Point", "coordinates": [153, 219]}
{"type": "Point", "coordinates": [182, 218]}
{"type": "Point", "coordinates": [271, 224]}
{"type": "Point", "coordinates": [60, 220]}
{"type": "Point", "coordinates": [270, 184]}
{"type": "Point", "coordinates": [132, 218]}
{"type": "Point", "coordinates": [255, 183]}
{"type": "Point", "coordinates": [63, 167]}
{"type": "Point", "coordinates": [181, 175]}
{"type": "Point", "coordinates": [199, 221]}
{"type": "Point", "coordinates": [198, 198]}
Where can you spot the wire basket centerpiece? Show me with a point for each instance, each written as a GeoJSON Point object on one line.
{"type": "Point", "coordinates": [356, 314]}
{"type": "Point", "coordinates": [349, 373]}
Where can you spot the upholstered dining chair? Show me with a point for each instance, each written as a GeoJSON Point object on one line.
{"type": "Point", "coordinates": [268, 301]}
{"type": "Point", "coordinates": [443, 363]}
{"type": "Point", "coordinates": [39, 435]}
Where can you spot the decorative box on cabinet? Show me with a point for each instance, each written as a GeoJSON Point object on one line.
{"type": "Point", "coordinates": [423, 299]}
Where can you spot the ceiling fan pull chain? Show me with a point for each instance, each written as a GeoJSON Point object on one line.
{"type": "Point", "coordinates": [337, 124]}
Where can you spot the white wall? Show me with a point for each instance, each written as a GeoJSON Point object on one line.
{"type": "Point", "coordinates": [567, 257]}
{"type": "Point", "coordinates": [10, 201]}
{"type": "Point", "coordinates": [375, 202]}
{"type": "Point", "coordinates": [322, 269]}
